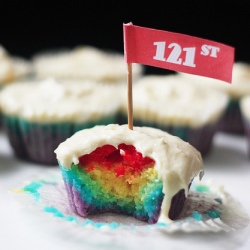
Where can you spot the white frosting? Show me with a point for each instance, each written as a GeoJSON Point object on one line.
{"type": "Point", "coordinates": [245, 107]}
{"type": "Point", "coordinates": [84, 62]}
{"type": "Point", "coordinates": [51, 101]}
{"type": "Point", "coordinates": [12, 68]}
{"type": "Point", "coordinates": [239, 87]}
{"type": "Point", "coordinates": [167, 100]}
{"type": "Point", "coordinates": [176, 161]}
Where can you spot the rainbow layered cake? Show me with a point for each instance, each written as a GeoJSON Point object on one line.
{"type": "Point", "coordinates": [145, 172]}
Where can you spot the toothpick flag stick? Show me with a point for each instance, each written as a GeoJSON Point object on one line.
{"type": "Point", "coordinates": [177, 52]}
{"type": "Point", "coordinates": [130, 97]}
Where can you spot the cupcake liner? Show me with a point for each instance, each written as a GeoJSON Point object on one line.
{"type": "Point", "coordinates": [14, 134]}
{"type": "Point", "coordinates": [200, 138]}
{"type": "Point", "coordinates": [177, 204]}
{"type": "Point", "coordinates": [37, 142]}
{"type": "Point", "coordinates": [40, 141]}
{"type": "Point", "coordinates": [208, 208]}
{"type": "Point", "coordinates": [231, 121]}
{"type": "Point", "coordinates": [246, 125]}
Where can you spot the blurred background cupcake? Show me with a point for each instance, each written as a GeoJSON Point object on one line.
{"type": "Point", "coordinates": [245, 111]}
{"type": "Point", "coordinates": [37, 117]}
{"type": "Point", "coordinates": [240, 86]}
{"type": "Point", "coordinates": [186, 110]}
{"type": "Point", "coordinates": [12, 68]}
{"type": "Point", "coordinates": [84, 63]}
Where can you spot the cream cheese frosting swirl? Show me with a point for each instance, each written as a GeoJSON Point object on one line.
{"type": "Point", "coordinates": [239, 87]}
{"type": "Point", "coordinates": [168, 100]}
{"type": "Point", "coordinates": [49, 101]}
{"type": "Point", "coordinates": [84, 62]}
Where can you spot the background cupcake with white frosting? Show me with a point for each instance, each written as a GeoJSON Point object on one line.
{"type": "Point", "coordinates": [84, 63]}
{"type": "Point", "coordinates": [37, 117]}
{"type": "Point", "coordinates": [182, 109]}
{"type": "Point", "coordinates": [12, 68]}
{"type": "Point", "coordinates": [245, 111]}
{"type": "Point", "coordinates": [240, 86]}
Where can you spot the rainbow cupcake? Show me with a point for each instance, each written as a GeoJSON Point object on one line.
{"type": "Point", "coordinates": [144, 172]}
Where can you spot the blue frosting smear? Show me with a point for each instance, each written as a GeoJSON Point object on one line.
{"type": "Point", "coordinates": [210, 214]}
{"type": "Point", "coordinates": [33, 188]}
{"type": "Point", "coordinates": [201, 188]}
{"type": "Point", "coordinates": [57, 213]}
{"type": "Point", "coordinates": [197, 216]}
{"type": "Point", "coordinates": [213, 213]}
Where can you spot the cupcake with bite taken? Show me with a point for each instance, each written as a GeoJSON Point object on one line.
{"type": "Point", "coordinates": [145, 172]}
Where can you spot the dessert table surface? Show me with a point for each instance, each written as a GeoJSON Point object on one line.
{"type": "Point", "coordinates": [25, 228]}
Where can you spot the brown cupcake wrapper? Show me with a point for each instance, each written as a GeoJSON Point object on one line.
{"type": "Point", "coordinates": [37, 142]}
{"type": "Point", "coordinates": [231, 121]}
{"type": "Point", "coordinates": [246, 124]}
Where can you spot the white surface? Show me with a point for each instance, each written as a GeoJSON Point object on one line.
{"type": "Point", "coordinates": [227, 165]}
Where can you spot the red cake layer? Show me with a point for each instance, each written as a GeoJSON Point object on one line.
{"type": "Point", "coordinates": [124, 159]}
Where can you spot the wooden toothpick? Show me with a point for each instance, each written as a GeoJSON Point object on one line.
{"type": "Point", "coordinates": [130, 97]}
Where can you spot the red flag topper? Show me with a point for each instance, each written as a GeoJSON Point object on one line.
{"type": "Point", "coordinates": [178, 52]}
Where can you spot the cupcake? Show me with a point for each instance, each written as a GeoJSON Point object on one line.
{"type": "Point", "coordinates": [37, 117]}
{"type": "Point", "coordinates": [231, 121]}
{"type": "Point", "coordinates": [245, 111]}
{"type": "Point", "coordinates": [12, 68]}
{"type": "Point", "coordinates": [188, 111]}
{"type": "Point", "coordinates": [84, 63]}
{"type": "Point", "coordinates": [145, 172]}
